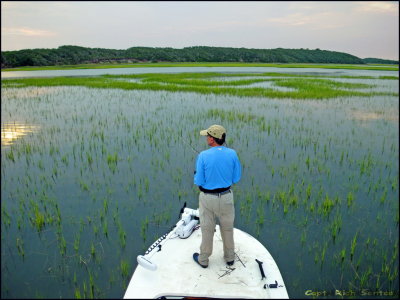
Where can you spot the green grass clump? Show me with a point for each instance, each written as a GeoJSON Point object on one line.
{"type": "Point", "coordinates": [112, 160]}
{"type": "Point", "coordinates": [76, 243]}
{"type": "Point", "coordinates": [38, 218]}
{"type": "Point", "coordinates": [77, 293]}
{"type": "Point", "coordinates": [336, 226]}
{"type": "Point", "coordinates": [10, 155]}
{"type": "Point", "coordinates": [327, 205]}
{"type": "Point", "coordinates": [124, 268]}
{"type": "Point", "coordinates": [353, 246]}
{"type": "Point", "coordinates": [92, 250]}
{"type": "Point", "coordinates": [144, 226]}
{"type": "Point", "coordinates": [20, 247]}
{"type": "Point", "coordinates": [343, 254]}
{"type": "Point", "coordinates": [199, 82]}
{"type": "Point", "coordinates": [350, 199]}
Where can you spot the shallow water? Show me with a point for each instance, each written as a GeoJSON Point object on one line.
{"type": "Point", "coordinates": [109, 170]}
{"type": "Point", "coordinates": [125, 71]}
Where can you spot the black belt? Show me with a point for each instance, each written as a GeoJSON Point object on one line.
{"type": "Point", "coordinates": [220, 191]}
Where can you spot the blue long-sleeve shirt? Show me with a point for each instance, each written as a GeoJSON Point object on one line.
{"type": "Point", "coordinates": [217, 167]}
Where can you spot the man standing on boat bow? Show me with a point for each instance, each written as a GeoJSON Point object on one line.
{"type": "Point", "coordinates": [217, 169]}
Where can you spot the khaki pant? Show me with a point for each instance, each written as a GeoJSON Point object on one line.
{"type": "Point", "coordinates": [210, 208]}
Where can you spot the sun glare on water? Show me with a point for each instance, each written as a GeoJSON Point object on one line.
{"type": "Point", "coordinates": [10, 132]}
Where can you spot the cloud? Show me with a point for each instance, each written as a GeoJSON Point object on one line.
{"type": "Point", "coordinates": [26, 31]}
{"type": "Point", "coordinates": [380, 7]}
{"type": "Point", "coordinates": [291, 20]}
{"type": "Point", "coordinates": [316, 21]}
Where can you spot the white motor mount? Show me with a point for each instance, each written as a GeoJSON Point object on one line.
{"type": "Point", "coordinates": [190, 220]}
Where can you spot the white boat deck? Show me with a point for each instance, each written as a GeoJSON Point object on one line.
{"type": "Point", "coordinates": [178, 275]}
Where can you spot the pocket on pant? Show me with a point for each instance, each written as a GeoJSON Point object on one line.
{"type": "Point", "coordinates": [228, 199]}
{"type": "Point", "coordinates": [228, 205]}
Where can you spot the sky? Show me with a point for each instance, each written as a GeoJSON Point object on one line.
{"type": "Point", "coordinates": [364, 29]}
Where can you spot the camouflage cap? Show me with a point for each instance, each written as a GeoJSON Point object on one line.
{"type": "Point", "coordinates": [214, 130]}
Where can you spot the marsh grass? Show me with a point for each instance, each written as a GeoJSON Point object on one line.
{"type": "Point", "coordinates": [92, 250]}
{"type": "Point", "coordinates": [76, 243]}
{"type": "Point", "coordinates": [353, 246]}
{"type": "Point", "coordinates": [327, 205]}
{"type": "Point", "coordinates": [336, 226]}
{"type": "Point", "coordinates": [302, 88]}
{"type": "Point", "coordinates": [112, 160]}
{"type": "Point", "coordinates": [124, 268]}
{"type": "Point", "coordinates": [235, 116]}
{"type": "Point", "coordinates": [77, 293]}
{"type": "Point", "coordinates": [6, 218]}
{"type": "Point", "coordinates": [20, 247]}
{"type": "Point", "coordinates": [144, 227]}
{"type": "Point", "coordinates": [350, 199]}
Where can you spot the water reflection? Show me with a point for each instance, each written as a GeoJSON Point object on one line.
{"type": "Point", "coordinates": [364, 116]}
{"type": "Point", "coordinates": [10, 132]}
{"type": "Point", "coordinates": [122, 71]}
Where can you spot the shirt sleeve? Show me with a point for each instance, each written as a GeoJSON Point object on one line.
{"type": "Point", "coordinates": [237, 170]}
{"type": "Point", "coordinates": [199, 173]}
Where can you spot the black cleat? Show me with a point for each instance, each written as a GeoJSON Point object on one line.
{"type": "Point", "coordinates": [196, 259]}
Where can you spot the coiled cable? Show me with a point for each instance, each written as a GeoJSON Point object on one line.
{"type": "Point", "coordinates": [156, 243]}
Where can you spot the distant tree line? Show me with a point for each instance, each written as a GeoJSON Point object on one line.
{"type": "Point", "coordinates": [70, 55]}
{"type": "Point", "coordinates": [380, 61]}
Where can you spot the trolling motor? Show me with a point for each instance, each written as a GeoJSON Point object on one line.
{"type": "Point", "coordinates": [190, 218]}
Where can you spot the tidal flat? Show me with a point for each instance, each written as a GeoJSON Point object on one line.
{"type": "Point", "coordinates": [94, 169]}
